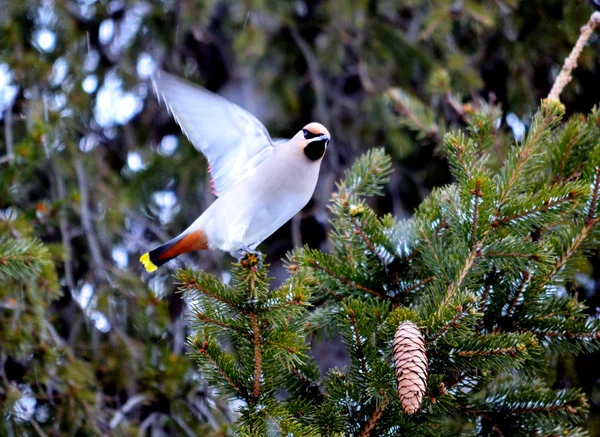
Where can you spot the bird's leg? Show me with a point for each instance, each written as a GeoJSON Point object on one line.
{"type": "Point", "coordinates": [251, 255]}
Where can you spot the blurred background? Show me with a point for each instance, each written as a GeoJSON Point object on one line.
{"type": "Point", "coordinates": [95, 169]}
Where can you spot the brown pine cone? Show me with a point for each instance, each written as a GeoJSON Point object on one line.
{"type": "Point", "coordinates": [410, 360]}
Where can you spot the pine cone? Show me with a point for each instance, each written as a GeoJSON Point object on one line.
{"type": "Point", "coordinates": [410, 360]}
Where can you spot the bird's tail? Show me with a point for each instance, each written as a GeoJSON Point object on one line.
{"type": "Point", "coordinates": [187, 242]}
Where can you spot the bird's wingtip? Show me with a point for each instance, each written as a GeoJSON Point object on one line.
{"type": "Point", "coordinates": [148, 265]}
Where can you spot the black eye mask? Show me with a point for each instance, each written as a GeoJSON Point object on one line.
{"type": "Point", "coordinates": [316, 149]}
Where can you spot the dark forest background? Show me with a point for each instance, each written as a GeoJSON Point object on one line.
{"type": "Point", "coordinates": [93, 172]}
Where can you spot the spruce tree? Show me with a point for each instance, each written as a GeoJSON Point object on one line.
{"type": "Point", "coordinates": [480, 269]}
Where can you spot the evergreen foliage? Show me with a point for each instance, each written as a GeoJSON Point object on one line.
{"type": "Point", "coordinates": [93, 173]}
{"type": "Point", "coordinates": [480, 268]}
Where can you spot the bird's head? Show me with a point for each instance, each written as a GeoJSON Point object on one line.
{"type": "Point", "coordinates": [314, 141]}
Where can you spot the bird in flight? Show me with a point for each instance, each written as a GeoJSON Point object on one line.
{"type": "Point", "coordinates": [260, 185]}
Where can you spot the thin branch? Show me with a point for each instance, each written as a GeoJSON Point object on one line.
{"type": "Point", "coordinates": [183, 425]}
{"type": "Point", "coordinates": [545, 207]}
{"type": "Point", "coordinates": [451, 323]}
{"type": "Point", "coordinates": [37, 427]}
{"type": "Point", "coordinates": [224, 375]}
{"type": "Point", "coordinates": [131, 403]}
{"type": "Point", "coordinates": [484, 296]}
{"type": "Point", "coordinates": [518, 293]}
{"type": "Point", "coordinates": [592, 211]}
{"type": "Point", "coordinates": [565, 334]}
{"type": "Point", "coordinates": [257, 356]}
{"type": "Point", "coordinates": [375, 416]}
{"type": "Point", "coordinates": [572, 248]}
{"type": "Point", "coordinates": [432, 133]}
{"type": "Point", "coordinates": [511, 255]}
{"type": "Point", "coordinates": [8, 136]}
{"type": "Point", "coordinates": [305, 380]}
{"type": "Point", "coordinates": [87, 221]}
{"type": "Point", "coordinates": [477, 193]}
{"type": "Point", "coordinates": [570, 63]}
{"type": "Point", "coordinates": [210, 320]}
{"type": "Point", "coordinates": [358, 342]}
{"type": "Point", "coordinates": [499, 351]}
{"type": "Point", "coordinates": [358, 228]}
{"type": "Point", "coordinates": [418, 285]}
{"type": "Point", "coordinates": [193, 284]}
{"type": "Point", "coordinates": [523, 157]}
{"type": "Point", "coordinates": [454, 286]}
{"type": "Point", "coordinates": [61, 194]}
{"type": "Point", "coordinates": [345, 280]}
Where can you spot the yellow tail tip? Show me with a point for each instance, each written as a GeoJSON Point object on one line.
{"type": "Point", "coordinates": [148, 265]}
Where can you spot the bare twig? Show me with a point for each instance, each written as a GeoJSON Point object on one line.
{"type": "Point", "coordinates": [315, 76]}
{"type": "Point", "coordinates": [37, 427]}
{"type": "Point", "coordinates": [126, 408]}
{"type": "Point", "coordinates": [8, 136]}
{"type": "Point", "coordinates": [61, 193]}
{"type": "Point", "coordinates": [570, 63]}
{"type": "Point", "coordinates": [87, 221]}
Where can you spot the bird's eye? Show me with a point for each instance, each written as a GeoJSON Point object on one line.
{"type": "Point", "coordinates": [309, 135]}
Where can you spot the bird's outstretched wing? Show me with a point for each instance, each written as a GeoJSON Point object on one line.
{"type": "Point", "coordinates": [232, 139]}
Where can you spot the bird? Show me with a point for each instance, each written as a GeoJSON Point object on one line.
{"type": "Point", "coordinates": [260, 184]}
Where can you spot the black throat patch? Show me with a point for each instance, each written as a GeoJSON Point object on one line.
{"type": "Point", "coordinates": [316, 149]}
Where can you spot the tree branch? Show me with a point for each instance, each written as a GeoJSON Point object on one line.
{"type": "Point", "coordinates": [570, 63]}
{"type": "Point", "coordinates": [345, 280]}
{"type": "Point", "coordinates": [518, 293]}
{"type": "Point", "coordinates": [375, 416]}
{"type": "Point", "coordinates": [87, 221]}
{"type": "Point", "coordinates": [221, 372]}
{"type": "Point", "coordinates": [545, 207]}
{"type": "Point", "coordinates": [61, 194]}
{"type": "Point", "coordinates": [484, 296]}
{"type": "Point", "coordinates": [358, 342]}
{"type": "Point", "coordinates": [257, 356]}
{"type": "Point", "coordinates": [212, 321]}
{"type": "Point", "coordinates": [8, 136]}
{"type": "Point", "coordinates": [459, 312]}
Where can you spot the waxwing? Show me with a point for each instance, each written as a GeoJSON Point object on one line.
{"type": "Point", "coordinates": [260, 185]}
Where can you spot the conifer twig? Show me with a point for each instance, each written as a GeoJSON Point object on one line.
{"type": "Point", "coordinates": [459, 312]}
{"type": "Point", "coordinates": [212, 321]}
{"type": "Point", "coordinates": [486, 290]}
{"type": "Point", "coordinates": [358, 228]}
{"type": "Point", "coordinates": [545, 207]}
{"type": "Point", "coordinates": [564, 77]}
{"type": "Point", "coordinates": [225, 376]}
{"type": "Point", "coordinates": [518, 293]}
{"type": "Point", "coordinates": [478, 194]}
{"type": "Point", "coordinates": [573, 247]}
{"type": "Point", "coordinates": [257, 355]}
{"type": "Point", "coordinates": [454, 286]}
{"type": "Point", "coordinates": [358, 341]}
{"type": "Point", "coordinates": [499, 351]}
{"type": "Point", "coordinates": [345, 280]}
{"type": "Point", "coordinates": [593, 204]}
{"type": "Point", "coordinates": [375, 416]}
{"type": "Point", "coordinates": [418, 285]}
